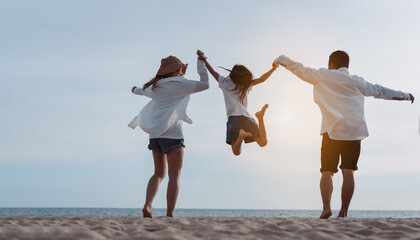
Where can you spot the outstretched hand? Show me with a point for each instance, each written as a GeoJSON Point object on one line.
{"type": "Point", "coordinates": [411, 98]}
{"type": "Point", "coordinates": [278, 60]}
{"type": "Point", "coordinates": [201, 56]}
{"type": "Point", "coordinates": [132, 90]}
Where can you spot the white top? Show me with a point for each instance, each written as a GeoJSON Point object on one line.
{"type": "Point", "coordinates": [234, 107]}
{"type": "Point", "coordinates": [340, 97]}
{"type": "Point", "coordinates": [162, 117]}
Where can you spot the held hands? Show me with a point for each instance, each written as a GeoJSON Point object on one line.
{"type": "Point", "coordinates": [279, 61]}
{"type": "Point", "coordinates": [275, 65]}
{"type": "Point", "coordinates": [201, 56]}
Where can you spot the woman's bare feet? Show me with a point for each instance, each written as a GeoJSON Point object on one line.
{"type": "Point", "coordinates": [342, 214]}
{"type": "Point", "coordinates": [243, 134]}
{"type": "Point", "coordinates": [147, 212]}
{"type": "Point", "coordinates": [260, 114]}
{"type": "Point", "coordinates": [326, 214]}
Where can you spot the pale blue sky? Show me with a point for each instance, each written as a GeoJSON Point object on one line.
{"type": "Point", "coordinates": [67, 68]}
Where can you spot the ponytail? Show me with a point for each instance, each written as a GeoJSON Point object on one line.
{"type": "Point", "coordinates": [151, 83]}
{"type": "Point", "coordinates": [156, 79]}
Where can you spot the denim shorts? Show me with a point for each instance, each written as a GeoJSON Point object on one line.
{"type": "Point", "coordinates": [235, 123]}
{"type": "Point", "coordinates": [165, 144]}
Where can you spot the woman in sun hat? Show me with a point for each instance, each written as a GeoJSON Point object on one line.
{"type": "Point", "coordinates": [162, 119]}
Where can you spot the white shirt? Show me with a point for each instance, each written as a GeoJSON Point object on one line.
{"type": "Point", "coordinates": [162, 117]}
{"type": "Point", "coordinates": [233, 104]}
{"type": "Point", "coordinates": [340, 97]}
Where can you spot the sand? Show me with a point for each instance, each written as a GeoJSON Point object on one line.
{"type": "Point", "coordinates": [124, 227]}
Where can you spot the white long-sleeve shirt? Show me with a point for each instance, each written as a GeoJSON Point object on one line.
{"type": "Point", "coordinates": [340, 97]}
{"type": "Point", "coordinates": [162, 117]}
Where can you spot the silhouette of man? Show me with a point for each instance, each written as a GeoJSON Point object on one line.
{"type": "Point", "coordinates": [340, 97]}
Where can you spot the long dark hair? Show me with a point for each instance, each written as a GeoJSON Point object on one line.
{"type": "Point", "coordinates": [242, 78]}
{"type": "Point", "coordinates": [154, 80]}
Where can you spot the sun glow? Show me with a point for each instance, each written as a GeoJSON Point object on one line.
{"type": "Point", "coordinates": [285, 117]}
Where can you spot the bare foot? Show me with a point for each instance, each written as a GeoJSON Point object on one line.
{"type": "Point", "coordinates": [243, 134]}
{"type": "Point", "coordinates": [342, 214]}
{"type": "Point", "coordinates": [326, 214]}
{"type": "Point", "coordinates": [147, 212]}
{"type": "Point", "coordinates": [261, 113]}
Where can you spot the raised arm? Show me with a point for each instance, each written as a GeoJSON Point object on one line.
{"type": "Point", "coordinates": [378, 91]}
{"type": "Point", "coordinates": [266, 75]}
{"type": "Point", "coordinates": [203, 58]}
{"type": "Point", "coordinates": [148, 92]}
{"type": "Point", "coordinates": [192, 86]}
{"type": "Point", "coordinates": [307, 74]}
{"type": "Point", "coordinates": [203, 84]}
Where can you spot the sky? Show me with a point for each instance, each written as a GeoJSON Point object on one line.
{"type": "Point", "coordinates": [67, 68]}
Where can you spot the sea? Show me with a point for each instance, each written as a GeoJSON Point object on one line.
{"type": "Point", "coordinates": [184, 212]}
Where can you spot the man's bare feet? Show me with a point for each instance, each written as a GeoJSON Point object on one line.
{"type": "Point", "coordinates": [326, 214]}
{"type": "Point", "coordinates": [243, 134]}
{"type": "Point", "coordinates": [147, 212]}
{"type": "Point", "coordinates": [261, 113]}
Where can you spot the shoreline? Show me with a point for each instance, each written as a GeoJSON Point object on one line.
{"type": "Point", "coordinates": [197, 212]}
{"type": "Point", "coordinates": [134, 227]}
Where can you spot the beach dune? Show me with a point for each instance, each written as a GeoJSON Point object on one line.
{"type": "Point", "coordinates": [129, 227]}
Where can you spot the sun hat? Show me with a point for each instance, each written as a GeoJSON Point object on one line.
{"type": "Point", "coordinates": [169, 65]}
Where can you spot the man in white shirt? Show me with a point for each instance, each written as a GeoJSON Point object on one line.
{"type": "Point", "coordinates": [340, 97]}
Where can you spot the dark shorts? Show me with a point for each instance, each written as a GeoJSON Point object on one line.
{"type": "Point", "coordinates": [235, 123]}
{"type": "Point", "coordinates": [165, 144]}
{"type": "Point", "coordinates": [331, 151]}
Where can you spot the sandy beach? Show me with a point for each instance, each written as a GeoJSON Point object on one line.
{"type": "Point", "coordinates": [124, 227]}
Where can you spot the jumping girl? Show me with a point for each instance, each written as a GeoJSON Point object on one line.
{"type": "Point", "coordinates": [240, 125]}
{"type": "Point", "coordinates": [162, 119]}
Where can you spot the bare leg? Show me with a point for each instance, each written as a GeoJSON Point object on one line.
{"type": "Point", "coordinates": [236, 145]}
{"type": "Point", "coordinates": [347, 191]}
{"type": "Point", "coordinates": [326, 186]}
{"type": "Point", "coordinates": [175, 157]}
{"type": "Point", "coordinates": [153, 185]}
{"type": "Point", "coordinates": [262, 138]}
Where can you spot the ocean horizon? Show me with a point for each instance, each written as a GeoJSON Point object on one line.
{"type": "Point", "coordinates": [186, 212]}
